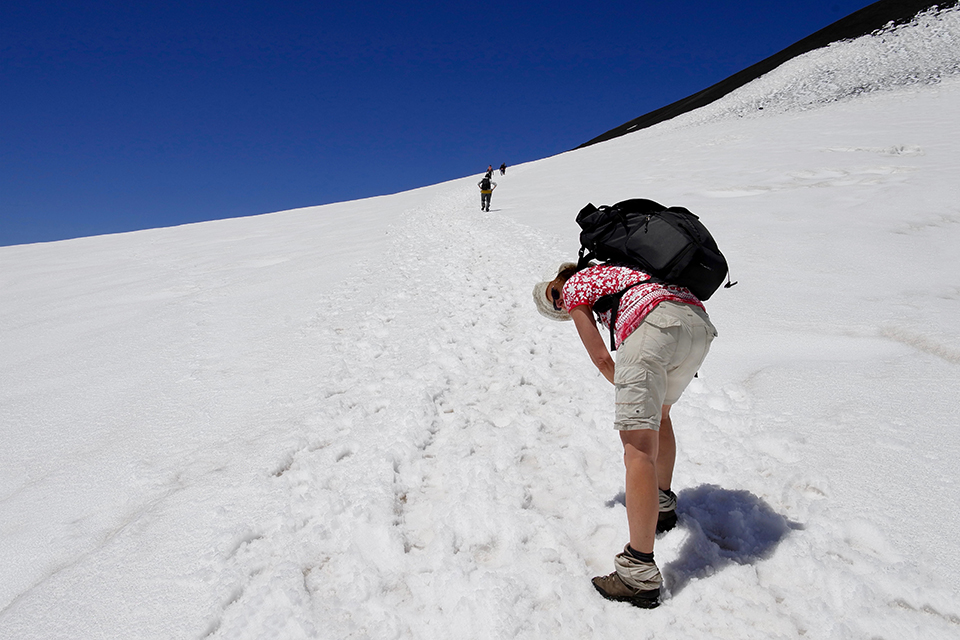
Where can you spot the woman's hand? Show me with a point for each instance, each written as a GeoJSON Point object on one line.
{"type": "Point", "coordinates": [590, 336]}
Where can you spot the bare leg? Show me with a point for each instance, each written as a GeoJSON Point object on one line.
{"type": "Point", "coordinates": [643, 501]}
{"type": "Point", "coordinates": [667, 455]}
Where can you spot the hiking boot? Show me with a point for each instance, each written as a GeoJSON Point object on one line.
{"type": "Point", "coordinates": [667, 518]}
{"type": "Point", "coordinates": [634, 581]}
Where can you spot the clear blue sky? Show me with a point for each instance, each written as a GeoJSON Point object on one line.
{"type": "Point", "coordinates": [116, 116]}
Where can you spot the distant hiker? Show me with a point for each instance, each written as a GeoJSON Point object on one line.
{"type": "Point", "coordinates": [486, 191]}
{"type": "Point", "coordinates": [663, 334]}
{"type": "Point", "coordinates": [503, 169]}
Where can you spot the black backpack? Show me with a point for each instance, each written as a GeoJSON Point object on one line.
{"type": "Point", "coordinates": [485, 184]}
{"type": "Point", "coordinates": [670, 244]}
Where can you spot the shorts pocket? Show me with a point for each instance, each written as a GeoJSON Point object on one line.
{"type": "Point", "coordinates": [662, 319]}
{"type": "Point", "coordinates": [638, 402]}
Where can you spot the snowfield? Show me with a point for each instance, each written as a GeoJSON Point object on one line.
{"type": "Point", "coordinates": [349, 421]}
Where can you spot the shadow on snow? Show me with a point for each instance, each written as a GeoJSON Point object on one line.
{"type": "Point", "coordinates": [724, 527]}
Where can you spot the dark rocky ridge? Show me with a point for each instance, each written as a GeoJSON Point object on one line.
{"type": "Point", "coordinates": [858, 23]}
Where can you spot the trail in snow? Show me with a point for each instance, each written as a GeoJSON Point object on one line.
{"type": "Point", "coordinates": [419, 464]}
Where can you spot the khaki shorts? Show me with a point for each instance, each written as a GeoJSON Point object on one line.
{"type": "Point", "coordinates": [657, 361]}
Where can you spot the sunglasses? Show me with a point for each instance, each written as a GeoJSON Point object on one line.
{"type": "Point", "coordinates": [556, 299]}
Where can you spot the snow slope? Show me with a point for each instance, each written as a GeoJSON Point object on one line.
{"type": "Point", "coordinates": [349, 422]}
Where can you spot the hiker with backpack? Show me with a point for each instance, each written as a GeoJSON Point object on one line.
{"type": "Point", "coordinates": [486, 192]}
{"type": "Point", "coordinates": [661, 333]}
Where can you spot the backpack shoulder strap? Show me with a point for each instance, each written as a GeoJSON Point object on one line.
{"type": "Point", "coordinates": [611, 301]}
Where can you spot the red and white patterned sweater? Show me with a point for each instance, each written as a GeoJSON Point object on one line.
{"type": "Point", "coordinates": [589, 285]}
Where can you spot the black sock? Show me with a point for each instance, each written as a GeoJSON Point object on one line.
{"type": "Point", "coordinates": [642, 557]}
